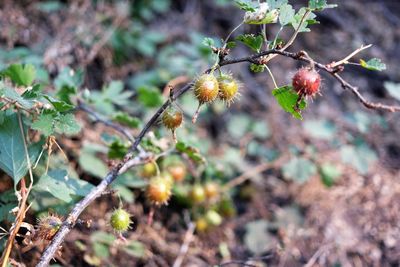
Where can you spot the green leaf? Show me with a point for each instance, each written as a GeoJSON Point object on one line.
{"type": "Point", "coordinates": [59, 105]}
{"type": "Point", "coordinates": [34, 92]}
{"type": "Point", "coordinates": [257, 68]}
{"type": "Point", "coordinates": [11, 94]}
{"type": "Point", "coordinates": [239, 125]}
{"type": "Point", "coordinates": [126, 119]}
{"type": "Point", "coordinates": [360, 157]}
{"type": "Point", "coordinates": [286, 14]}
{"type": "Point", "coordinates": [329, 174]}
{"type": "Point", "coordinates": [393, 89]}
{"type": "Point", "coordinates": [273, 4]}
{"type": "Point", "coordinates": [135, 249]}
{"type": "Point", "coordinates": [21, 75]}
{"type": "Point", "coordinates": [44, 124]}
{"type": "Point", "coordinates": [102, 237]}
{"type": "Point", "coordinates": [257, 238]}
{"type": "Point", "coordinates": [91, 164]}
{"type": "Point", "coordinates": [8, 201]}
{"type": "Point", "coordinates": [61, 186]}
{"type": "Point", "coordinates": [308, 21]}
{"type": "Point", "coordinates": [252, 41]}
{"type": "Point", "coordinates": [287, 99]}
{"type": "Point", "coordinates": [299, 170]}
{"type": "Point", "coordinates": [12, 151]}
{"type": "Point", "coordinates": [208, 42]}
{"type": "Point", "coordinates": [245, 5]}
{"type": "Point", "coordinates": [115, 94]}
{"type": "Point", "coordinates": [320, 129]}
{"type": "Point", "coordinates": [373, 64]}
{"type": "Point", "coordinates": [149, 96]}
{"type": "Point", "coordinates": [117, 150]}
{"type": "Point", "coordinates": [65, 94]}
{"type": "Point", "coordinates": [320, 4]}
{"type": "Point", "coordinates": [260, 129]}
{"type": "Point", "coordinates": [69, 78]}
{"type": "Point", "coordinates": [49, 6]}
{"type": "Point", "coordinates": [231, 44]}
{"type": "Point", "coordinates": [66, 124]}
{"type": "Point", "coordinates": [192, 152]}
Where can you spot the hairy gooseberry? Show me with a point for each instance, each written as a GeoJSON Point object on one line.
{"type": "Point", "coordinates": [47, 226]}
{"type": "Point", "coordinates": [228, 88]}
{"type": "Point", "coordinates": [213, 218]}
{"type": "Point", "coordinates": [177, 171]}
{"type": "Point", "coordinates": [211, 190]}
{"type": "Point", "coordinates": [149, 170]}
{"type": "Point", "coordinates": [172, 119]}
{"type": "Point", "coordinates": [197, 194]}
{"type": "Point", "coordinates": [120, 220]}
{"type": "Point", "coordinates": [206, 90]}
{"type": "Point", "coordinates": [201, 225]}
{"type": "Point", "coordinates": [159, 190]}
{"type": "Point", "coordinates": [306, 81]}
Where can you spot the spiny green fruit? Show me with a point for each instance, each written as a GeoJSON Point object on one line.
{"type": "Point", "coordinates": [159, 190]}
{"type": "Point", "coordinates": [178, 171]}
{"type": "Point", "coordinates": [213, 218]}
{"type": "Point", "coordinates": [206, 88]}
{"type": "Point", "coordinates": [120, 220]}
{"type": "Point", "coordinates": [168, 177]}
{"type": "Point", "coordinates": [212, 190]}
{"type": "Point", "coordinates": [172, 118]}
{"type": "Point", "coordinates": [149, 170]}
{"type": "Point", "coordinates": [48, 226]}
{"type": "Point", "coordinates": [228, 88]}
{"type": "Point", "coordinates": [201, 225]}
{"type": "Point", "coordinates": [197, 194]}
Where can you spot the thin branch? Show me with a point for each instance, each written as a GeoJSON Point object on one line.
{"type": "Point", "coordinates": [130, 161]}
{"type": "Point", "coordinates": [252, 172]}
{"type": "Point", "coordinates": [317, 254]}
{"type": "Point", "coordinates": [115, 126]}
{"type": "Point", "coordinates": [185, 245]}
{"type": "Point", "coordinates": [292, 38]}
{"type": "Point", "coordinates": [365, 102]}
{"type": "Point", "coordinates": [99, 118]}
{"type": "Point", "coordinates": [70, 221]}
{"type": "Point", "coordinates": [237, 263]}
{"type": "Point", "coordinates": [332, 71]}
{"type": "Point", "coordinates": [346, 59]}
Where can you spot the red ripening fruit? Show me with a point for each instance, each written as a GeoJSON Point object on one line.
{"type": "Point", "coordinates": [120, 220]}
{"type": "Point", "coordinates": [206, 88]}
{"type": "Point", "coordinates": [172, 118]}
{"type": "Point", "coordinates": [306, 81]}
{"type": "Point", "coordinates": [159, 190]}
